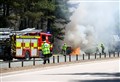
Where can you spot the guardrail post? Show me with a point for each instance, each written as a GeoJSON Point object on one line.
{"type": "Point", "coordinates": [49, 60]}
{"type": "Point", "coordinates": [9, 64]}
{"type": "Point", "coordinates": [69, 58]}
{"type": "Point", "coordinates": [65, 57]}
{"type": "Point", "coordinates": [105, 55]}
{"type": "Point", "coordinates": [34, 61]}
{"type": "Point", "coordinates": [53, 59]}
{"type": "Point", "coordinates": [100, 55]}
{"type": "Point", "coordinates": [76, 57]}
{"type": "Point", "coordinates": [88, 56]}
{"type": "Point", "coordinates": [114, 54]}
{"type": "Point", "coordinates": [95, 55]}
{"type": "Point", "coordinates": [109, 55]}
{"type": "Point", "coordinates": [118, 54]}
{"type": "Point", "coordinates": [83, 56]}
{"type": "Point", "coordinates": [22, 62]}
{"type": "Point", "coordinates": [58, 59]}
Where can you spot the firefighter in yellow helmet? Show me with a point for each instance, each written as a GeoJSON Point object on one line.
{"type": "Point", "coordinates": [46, 52]}
{"type": "Point", "coordinates": [102, 49]}
{"type": "Point", "coordinates": [64, 47]}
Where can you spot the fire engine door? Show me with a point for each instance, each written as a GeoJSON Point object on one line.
{"type": "Point", "coordinates": [26, 46]}
{"type": "Point", "coordinates": [18, 47]}
{"type": "Point", "coordinates": [27, 43]}
{"type": "Point", "coordinates": [34, 47]}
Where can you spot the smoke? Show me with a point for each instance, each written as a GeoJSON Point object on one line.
{"type": "Point", "coordinates": [92, 23]}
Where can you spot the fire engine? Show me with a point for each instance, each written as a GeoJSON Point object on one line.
{"type": "Point", "coordinates": [27, 45]}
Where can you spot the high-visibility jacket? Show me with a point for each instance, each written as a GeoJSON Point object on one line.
{"type": "Point", "coordinates": [102, 46]}
{"type": "Point", "coordinates": [64, 47]}
{"type": "Point", "coordinates": [45, 48]}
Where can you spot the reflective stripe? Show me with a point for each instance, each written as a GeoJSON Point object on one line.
{"type": "Point", "coordinates": [27, 44]}
{"type": "Point", "coordinates": [37, 36]}
{"type": "Point", "coordinates": [39, 48]}
{"type": "Point", "coordinates": [18, 44]}
{"type": "Point", "coordinates": [32, 48]}
{"type": "Point", "coordinates": [51, 46]}
{"type": "Point", "coordinates": [17, 36]}
{"type": "Point", "coordinates": [28, 37]}
{"type": "Point", "coordinates": [35, 44]}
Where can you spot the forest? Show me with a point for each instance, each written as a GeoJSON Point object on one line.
{"type": "Point", "coordinates": [39, 14]}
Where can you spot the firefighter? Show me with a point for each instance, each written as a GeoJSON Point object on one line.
{"type": "Point", "coordinates": [102, 48]}
{"type": "Point", "coordinates": [64, 47]}
{"type": "Point", "coordinates": [46, 52]}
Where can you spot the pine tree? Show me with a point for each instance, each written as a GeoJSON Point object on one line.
{"type": "Point", "coordinates": [40, 14]}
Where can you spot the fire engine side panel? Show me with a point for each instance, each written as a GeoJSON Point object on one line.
{"type": "Point", "coordinates": [34, 47]}
{"type": "Point", "coordinates": [27, 43]}
{"type": "Point", "coordinates": [26, 46]}
{"type": "Point", "coordinates": [18, 47]}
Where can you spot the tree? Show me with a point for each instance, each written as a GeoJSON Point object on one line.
{"type": "Point", "coordinates": [62, 15]}
{"type": "Point", "coordinates": [41, 14]}
{"type": "Point", "coordinates": [4, 12]}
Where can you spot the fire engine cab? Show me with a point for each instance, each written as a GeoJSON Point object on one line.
{"type": "Point", "coordinates": [29, 44]}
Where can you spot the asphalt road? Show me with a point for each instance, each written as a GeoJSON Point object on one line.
{"type": "Point", "coordinates": [95, 71]}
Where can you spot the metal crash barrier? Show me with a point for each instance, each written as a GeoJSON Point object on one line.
{"type": "Point", "coordinates": [55, 59]}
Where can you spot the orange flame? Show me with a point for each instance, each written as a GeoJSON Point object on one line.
{"type": "Point", "coordinates": [75, 51]}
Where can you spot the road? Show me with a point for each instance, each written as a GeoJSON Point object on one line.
{"type": "Point", "coordinates": [95, 71]}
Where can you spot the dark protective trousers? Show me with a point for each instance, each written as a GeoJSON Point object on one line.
{"type": "Point", "coordinates": [46, 58]}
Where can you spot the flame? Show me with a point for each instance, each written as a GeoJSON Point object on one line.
{"type": "Point", "coordinates": [75, 51]}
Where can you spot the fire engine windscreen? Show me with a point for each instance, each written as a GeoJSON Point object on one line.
{"type": "Point", "coordinates": [43, 37]}
{"type": "Point", "coordinates": [93, 23]}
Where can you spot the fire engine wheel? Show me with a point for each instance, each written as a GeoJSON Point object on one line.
{"type": "Point", "coordinates": [27, 55]}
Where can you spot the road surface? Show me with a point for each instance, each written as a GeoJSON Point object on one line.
{"type": "Point", "coordinates": [95, 71]}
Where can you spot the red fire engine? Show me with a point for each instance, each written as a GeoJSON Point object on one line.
{"type": "Point", "coordinates": [29, 45]}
